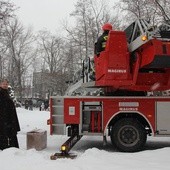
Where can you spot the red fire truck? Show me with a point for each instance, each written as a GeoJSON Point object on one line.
{"type": "Point", "coordinates": [136, 61]}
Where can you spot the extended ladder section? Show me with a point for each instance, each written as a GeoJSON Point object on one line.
{"type": "Point", "coordinates": [140, 32]}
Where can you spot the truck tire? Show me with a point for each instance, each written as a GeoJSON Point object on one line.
{"type": "Point", "coordinates": [128, 135]}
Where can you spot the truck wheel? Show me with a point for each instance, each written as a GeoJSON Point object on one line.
{"type": "Point", "coordinates": [128, 135]}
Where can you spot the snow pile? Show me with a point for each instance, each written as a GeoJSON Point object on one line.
{"type": "Point", "coordinates": [91, 153]}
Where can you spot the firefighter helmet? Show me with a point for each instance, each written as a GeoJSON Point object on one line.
{"type": "Point", "coordinates": [107, 26]}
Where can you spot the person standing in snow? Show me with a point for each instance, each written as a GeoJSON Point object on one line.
{"type": "Point", "coordinates": [30, 104]}
{"type": "Point", "coordinates": [42, 107]}
{"type": "Point", "coordinates": [9, 124]}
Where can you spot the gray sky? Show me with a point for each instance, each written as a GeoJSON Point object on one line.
{"type": "Point", "coordinates": [44, 13]}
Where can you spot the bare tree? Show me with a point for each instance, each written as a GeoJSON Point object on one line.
{"type": "Point", "coordinates": [20, 52]}
{"type": "Point", "coordinates": [6, 12]}
{"type": "Point", "coordinates": [89, 16]}
{"type": "Point", "coordinates": [6, 9]}
{"type": "Point", "coordinates": [152, 10]}
{"type": "Point", "coordinates": [164, 8]}
{"type": "Point", "coordinates": [50, 49]}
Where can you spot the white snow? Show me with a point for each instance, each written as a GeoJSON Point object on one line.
{"type": "Point", "coordinates": [91, 154]}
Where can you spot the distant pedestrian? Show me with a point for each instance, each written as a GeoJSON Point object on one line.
{"type": "Point", "coordinates": [9, 124]}
{"type": "Point", "coordinates": [30, 104]}
{"type": "Point", "coordinates": [42, 107]}
{"type": "Point", "coordinates": [46, 103]}
{"type": "Point", "coordinates": [26, 104]}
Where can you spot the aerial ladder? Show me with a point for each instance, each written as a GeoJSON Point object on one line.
{"type": "Point", "coordinates": [135, 60]}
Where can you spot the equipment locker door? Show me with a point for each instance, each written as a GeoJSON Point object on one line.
{"type": "Point", "coordinates": [163, 118]}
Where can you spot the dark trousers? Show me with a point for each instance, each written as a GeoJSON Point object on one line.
{"type": "Point", "coordinates": [7, 142]}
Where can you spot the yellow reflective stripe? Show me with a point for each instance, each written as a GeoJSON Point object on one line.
{"type": "Point", "coordinates": [105, 37]}
{"type": "Point", "coordinates": [103, 44]}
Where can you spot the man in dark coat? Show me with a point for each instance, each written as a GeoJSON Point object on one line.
{"type": "Point", "coordinates": [9, 124]}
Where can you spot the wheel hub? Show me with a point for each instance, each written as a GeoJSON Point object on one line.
{"type": "Point", "coordinates": [128, 135]}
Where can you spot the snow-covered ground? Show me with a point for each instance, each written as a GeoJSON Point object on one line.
{"type": "Point", "coordinates": [91, 153]}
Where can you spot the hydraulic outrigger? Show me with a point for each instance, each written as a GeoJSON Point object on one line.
{"type": "Point", "coordinates": [66, 147]}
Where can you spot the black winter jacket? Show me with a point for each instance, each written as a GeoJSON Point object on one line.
{"type": "Point", "coordinates": [101, 42]}
{"type": "Point", "coordinates": [9, 124]}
